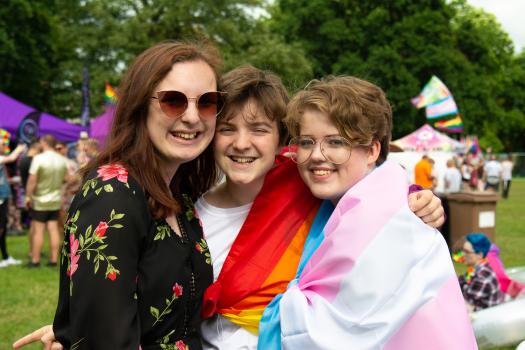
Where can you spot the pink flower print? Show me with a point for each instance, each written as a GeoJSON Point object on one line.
{"type": "Point", "coordinates": [112, 275]}
{"type": "Point", "coordinates": [110, 171]}
{"type": "Point", "coordinates": [101, 229]}
{"type": "Point", "coordinates": [73, 246]}
{"type": "Point", "coordinates": [198, 247]}
{"type": "Point", "coordinates": [177, 290]}
{"type": "Point", "coordinates": [180, 345]}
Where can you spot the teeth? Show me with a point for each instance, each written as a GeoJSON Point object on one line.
{"type": "Point", "coordinates": [186, 136]}
{"type": "Point", "coordinates": [242, 159]}
{"type": "Point", "coordinates": [321, 172]}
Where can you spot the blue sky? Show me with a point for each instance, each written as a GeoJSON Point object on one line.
{"type": "Point", "coordinates": [508, 14]}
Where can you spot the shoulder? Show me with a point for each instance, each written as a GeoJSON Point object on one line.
{"type": "Point", "coordinates": [111, 179]}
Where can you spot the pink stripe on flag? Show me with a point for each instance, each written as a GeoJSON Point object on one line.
{"type": "Point", "coordinates": [346, 240]}
{"type": "Point", "coordinates": [440, 324]}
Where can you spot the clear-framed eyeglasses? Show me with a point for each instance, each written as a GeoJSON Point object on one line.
{"type": "Point", "coordinates": [336, 149]}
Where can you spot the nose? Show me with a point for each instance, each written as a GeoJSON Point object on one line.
{"type": "Point", "coordinates": [191, 114]}
{"type": "Point", "coordinates": [317, 155]}
{"type": "Point", "coordinates": [242, 140]}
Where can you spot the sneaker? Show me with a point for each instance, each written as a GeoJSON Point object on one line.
{"type": "Point", "coordinates": [10, 261]}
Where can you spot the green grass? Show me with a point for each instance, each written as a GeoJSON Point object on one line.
{"type": "Point", "coordinates": [28, 296]}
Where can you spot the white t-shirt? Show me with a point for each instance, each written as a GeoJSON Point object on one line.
{"type": "Point", "coordinates": [453, 179]}
{"type": "Point", "coordinates": [221, 226]}
{"type": "Point", "coordinates": [493, 171]}
{"type": "Point", "coordinates": [506, 169]}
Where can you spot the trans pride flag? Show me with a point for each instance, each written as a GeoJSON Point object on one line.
{"type": "Point", "coordinates": [266, 252]}
{"type": "Point", "coordinates": [434, 91]}
{"type": "Point", "coordinates": [380, 279]}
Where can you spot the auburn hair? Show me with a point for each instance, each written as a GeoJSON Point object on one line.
{"type": "Point", "coordinates": [129, 143]}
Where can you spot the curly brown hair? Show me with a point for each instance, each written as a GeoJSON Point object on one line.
{"type": "Point", "coordinates": [358, 109]}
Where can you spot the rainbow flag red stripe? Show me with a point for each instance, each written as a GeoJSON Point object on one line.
{"type": "Point", "coordinates": [266, 253]}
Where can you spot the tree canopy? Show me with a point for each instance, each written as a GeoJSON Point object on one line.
{"type": "Point", "coordinates": [397, 44]}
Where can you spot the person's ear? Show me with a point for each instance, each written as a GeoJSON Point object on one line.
{"type": "Point", "coordinates": [373, 152]}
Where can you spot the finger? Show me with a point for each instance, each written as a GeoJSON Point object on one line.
{"type": "Point", "coordinates": [419, 200]}
{"type": "Point", "coordinates": [30, 338]}
{"type": "Point", "coordinates": [433, 214]}
{"type": "Point", "coordinates": [432, 208]}
{"type": "Point", "coordinates": [57, 346]}
{"type": "Point", "coordinates": [436, 219]}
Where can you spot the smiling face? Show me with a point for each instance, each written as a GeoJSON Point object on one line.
{"type": "Point", "coordinates": [180, 140]}
{"type": "Point", "coordinates": [245, 145]}
{"type": "Point", "coordinates": [325, 179]}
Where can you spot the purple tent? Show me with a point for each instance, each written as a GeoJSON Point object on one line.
{"type": "Point", "coordinates": [101, 125]}
{"type": "Point", "coordinates": [13, 113]}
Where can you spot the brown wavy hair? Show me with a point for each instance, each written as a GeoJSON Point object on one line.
{"type": "Point", "coordinates": [264, 87]}
{"type": "Point", "coordinates": [129, 142]}
{"type": "Point", "coordinates": [359, 110]}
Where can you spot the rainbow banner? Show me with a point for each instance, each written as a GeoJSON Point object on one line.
{"type": "Point", "coordinates": [454, 125]}
{"type": "Point", "coordinates": [267, 250]}
{"type": "Point", "coordinates": [5, 137]}
{"type": "Point", "coordinates": [110, 96]}
{"type": "Point", "coordinates": [442, 108]}
{"type": "Point", "coordinates": [434, 91]}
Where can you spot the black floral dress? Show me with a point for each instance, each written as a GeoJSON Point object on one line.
{"type": "Point", "coordinates": [128, 281]}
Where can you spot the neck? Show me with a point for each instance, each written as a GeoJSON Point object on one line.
{"type": "Point", "coordinates": [168, 173]}
{"type": "Point", "coordinates": [231, 195]}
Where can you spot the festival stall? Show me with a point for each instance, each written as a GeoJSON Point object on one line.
{"type": "Point", "coordinates": [101, 125]}
{"type": "Point", "coordinates": [24, 122]}
{"type": "Point", "coordinates": [426, 140]}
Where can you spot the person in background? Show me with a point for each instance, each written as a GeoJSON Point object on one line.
{"type": "Point", "coordinates": [452, 178]}
{"type": "Point", "coordinates": [479, 285]}
{"type": "Point", "coordinates": [47, 174]}
{"type": "Point", "coordinates": [5, 194]}
{"type": "Point", "coordinates": [493, 174]}
{"type": "Point", "coordinates": [423, 173]}
{"type": "Point", "coordinates": [434, 173]}
{"type": "Point", "coordinates": [506, 175]}
{"type": "Point", "coordinates": [70, 187]}
{"type": "Point", "coordinates": [480, 173]}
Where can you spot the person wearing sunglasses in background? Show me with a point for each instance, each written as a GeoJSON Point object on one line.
{"type": "Point", "coordinates": [376, 277]}
{"type": "Point", "coordinates": [131, 275]}
{"type": "Point", "coordinates": [248, 137]}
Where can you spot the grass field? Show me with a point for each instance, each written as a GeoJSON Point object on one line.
{"type": "Point", "coordinates": [28, 296]}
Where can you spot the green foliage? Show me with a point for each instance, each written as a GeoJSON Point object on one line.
{"type": "Point", "coordinates": [399, 45]}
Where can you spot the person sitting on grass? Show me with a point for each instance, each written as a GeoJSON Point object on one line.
{"type": "Point", "coordinates": [479, 285]}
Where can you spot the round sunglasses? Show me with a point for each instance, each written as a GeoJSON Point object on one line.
{"type": "Point", "coordinates": [174, 103]}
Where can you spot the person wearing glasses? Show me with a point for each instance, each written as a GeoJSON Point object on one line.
{"type": "Point", "coordinates": [479, 284]}
{"type": "Point", "coordinates": [134, 263]}
{"type": "Point", "coordinates": [376, 277]}
{"type": "Point", "coordinates": [249, 134]}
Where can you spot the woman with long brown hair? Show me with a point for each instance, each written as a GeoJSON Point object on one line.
{"type": "Point", "coordinates": [134, 263]}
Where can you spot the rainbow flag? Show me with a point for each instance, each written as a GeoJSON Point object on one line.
{"type": "Point", "coordinates": [454, 125]}
{"type": "Point", "coordinates": [434, 91]}
{"type": "Point", "coordinates": [110, 96]}
{"type": "Point", "coordinates": [5, 137]}
{"type": "Point", "coordinates": [267, 250]}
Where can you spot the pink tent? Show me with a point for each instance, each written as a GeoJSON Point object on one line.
{"type": "Point", "coordinates": [101, 125]}
{"type": "Point", "coordinates": [427, 139]}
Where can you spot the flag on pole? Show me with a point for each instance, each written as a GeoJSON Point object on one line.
{"type": "Point", "coordinates": [454, 125]}
{"type": "Point", "coordinates": [5, 137]}
{"type": "Point", "coordinates": [442, 108]}
{"type": "Point", "coordinates": [433, 92]}
{"type": "Point", "coordinates": [110, 96]}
